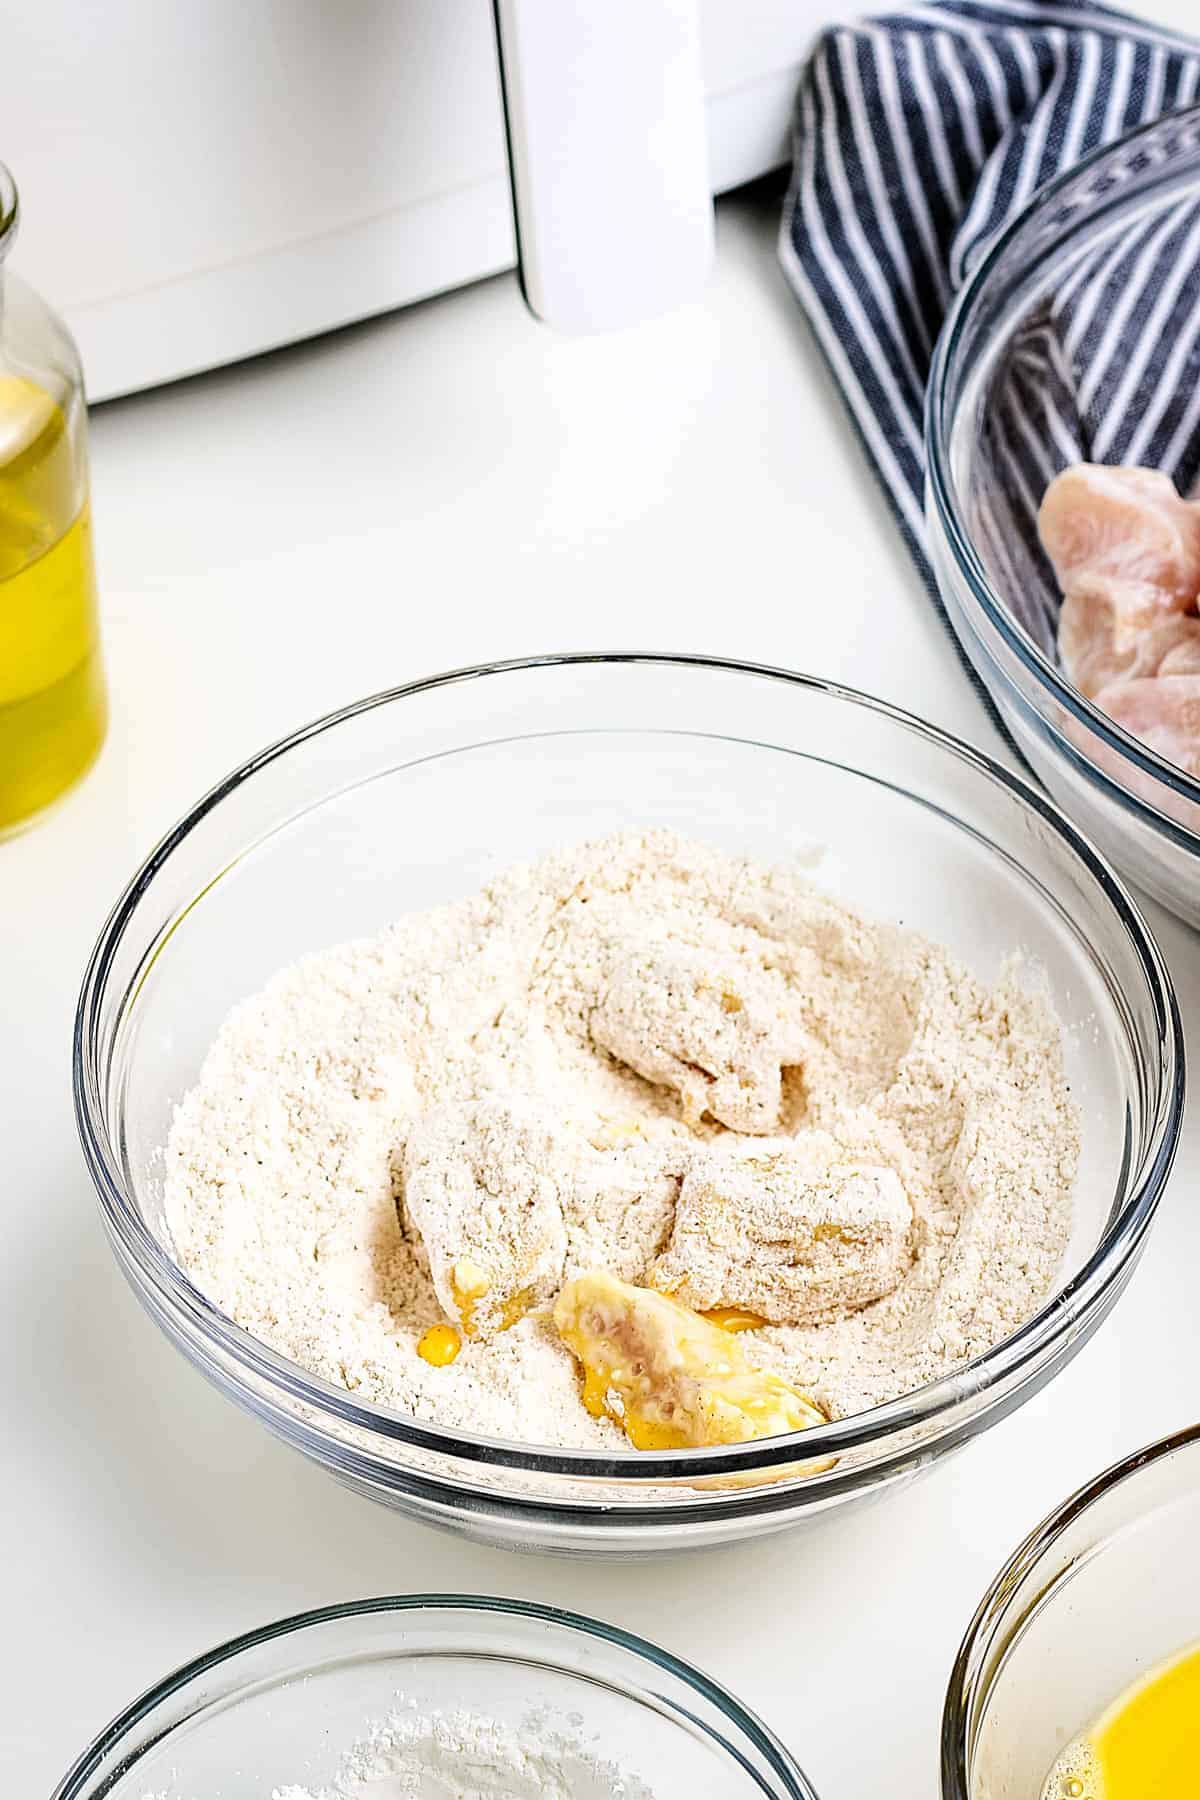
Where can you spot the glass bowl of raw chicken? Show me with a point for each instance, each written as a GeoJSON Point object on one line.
{"type": "Point", "coordinates": [1063, 437]}
{"type": "Point", "coordinates": [890, 847]}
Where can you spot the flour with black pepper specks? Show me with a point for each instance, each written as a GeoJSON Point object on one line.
{"type": "Point", "coordinates": [284, 1166]}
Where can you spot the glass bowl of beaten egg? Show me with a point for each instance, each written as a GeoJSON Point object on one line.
{"type": "Point", "coordinates": [1079, 1678]}
{"type": "Point", "coordinates": [987, 467]}
{"type": "Point", "coordinates": [418, 795]}
{"type": "Point", "coordinates": [298, 1707]}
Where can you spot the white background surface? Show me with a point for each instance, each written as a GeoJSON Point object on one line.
{"type": "Point", "coordinates": [447, 485]}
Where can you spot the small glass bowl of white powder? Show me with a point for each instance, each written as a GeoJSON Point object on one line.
{"type": "Point", "coordinates": [442, 1697]}
{"type": "Point", "coordinates": [427, 796]}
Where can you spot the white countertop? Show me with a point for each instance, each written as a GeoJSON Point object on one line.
{"type": "Point", "coordinates": [447, 485]}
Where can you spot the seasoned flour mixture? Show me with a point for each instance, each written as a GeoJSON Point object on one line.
{"type": "Point", "coordinates": [645, 1056]}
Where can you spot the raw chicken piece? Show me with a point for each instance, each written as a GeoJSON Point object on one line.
{"type": "Point", "coordinates": [1163, 711]}
{"type": "Point", "coordinates": [716, 1030]}
{"type": "Point", "coordinates": [1126, 549]}
{"type": "Point", "coordinates": [1099, 647]}
{"type": "Point", "coordinates": [671, 1379]}
{"type": "Point", "coordinates": [794, 1230]}
{"type": "Point", "coordinates": [484, 1186]}
{"type": "Point", "coordinates": [1125, 536]}
{"type": "Point", "coordinates": [1184, 658]}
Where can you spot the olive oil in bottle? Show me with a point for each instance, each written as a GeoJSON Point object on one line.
{"type": "Point", "coordinates": [53, 708]}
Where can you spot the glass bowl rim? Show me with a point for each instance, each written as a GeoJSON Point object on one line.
{"type": "Point", "coordinates": [10, 209]}
{"type": "Point", "coordinates": [1021, 1350]}
{"type": "Point", "coordinates": [942, 489]}
{"type": "Point", "coordinates": [779, 1758]}
{"type": "Point", "coordinates": [963, 1684]}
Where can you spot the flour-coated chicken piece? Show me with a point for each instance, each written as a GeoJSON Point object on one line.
{"type": "Point", "coordinates": [796, 1230]}
{"type": "Point", "coordinates": [483, 1186]}
{"type": "Point", "coordinates": [718, 1030]}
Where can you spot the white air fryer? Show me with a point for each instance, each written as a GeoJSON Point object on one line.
{"type": "Point", "coordinates": [207, 181]}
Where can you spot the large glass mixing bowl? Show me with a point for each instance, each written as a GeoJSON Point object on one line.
{"type": "Point", "coordinates": [420, 795]}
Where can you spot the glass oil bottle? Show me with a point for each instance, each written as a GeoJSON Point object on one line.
{"type": "Point", "coordinates": [53, 706]}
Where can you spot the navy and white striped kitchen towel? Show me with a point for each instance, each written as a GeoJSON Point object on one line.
{"type": "Point", "coordinates": [921, 134]}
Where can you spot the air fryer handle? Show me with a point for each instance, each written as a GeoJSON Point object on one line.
{"type": "Point", "coordinates": [605, 108]}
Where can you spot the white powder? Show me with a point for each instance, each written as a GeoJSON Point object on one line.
{"type": "Point", "coordinates": [286, 1164]}
{"type": "Point", "coordinates": [465, 1756]}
